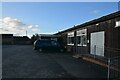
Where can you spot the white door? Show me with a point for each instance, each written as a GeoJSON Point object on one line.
{"type": "Point", "coordinates": [97, 43]}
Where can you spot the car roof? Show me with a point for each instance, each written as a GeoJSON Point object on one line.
{"type": "Point", "coordinates": [45, 40]}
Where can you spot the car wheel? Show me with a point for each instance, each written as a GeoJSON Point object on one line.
{"type": "Point", "coordinates": [40, 50]}
{"type": "Point", "coordinates": [61, 50]}
{"type": "Point", "coordinates": [33, 48]}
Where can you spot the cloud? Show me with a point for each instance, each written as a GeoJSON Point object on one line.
{"type": "Point", "coordinates": [12, 22]}
{"type": "Point", "coordinates": [0, 20]}
{"type": "Point", "coordinates": [30, 26]}
{"type": "Point", "coordinates": [15, 26]}
{"type": "Point", "coordinates": [96, 11]}
{"type": "Point", "coordinates": [36, 25]}
{"type": "Point", "coordinates": [34, 29]}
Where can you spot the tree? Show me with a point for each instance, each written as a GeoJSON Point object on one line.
{"type": "Point", "coordinates": [34, 38]}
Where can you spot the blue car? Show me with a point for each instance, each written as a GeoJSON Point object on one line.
{"type": "Point", "coordinates": [48, 45]}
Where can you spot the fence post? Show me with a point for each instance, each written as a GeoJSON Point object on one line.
{"type": "Point", "coordinates": [108, 76]}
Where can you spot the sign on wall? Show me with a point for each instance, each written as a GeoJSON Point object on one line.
{"type": "Point", "coordinates": [117, 24]}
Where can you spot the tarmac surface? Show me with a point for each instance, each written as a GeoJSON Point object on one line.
{"type": "Point", "coordinates": [21, 61]}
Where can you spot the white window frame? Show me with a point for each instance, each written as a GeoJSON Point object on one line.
{"type": "Point", "coordinates": [82, 32]}
{"type": "Point", "coordinates": [117, 24]}
{"type": "Point", "coordinates": [69, 35]}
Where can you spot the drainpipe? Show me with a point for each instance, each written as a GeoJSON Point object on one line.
{"type": "Point", "coordinates": [94, 51]}
{"type": "Point", "coordinates": [108, 76]}
{"type": "Point", "coordinates": [75, 43]}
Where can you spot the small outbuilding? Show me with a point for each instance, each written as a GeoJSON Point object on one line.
{"type": "Point", "coordinates": [6, 39]}
{"type": "Point", "coordinates": [21, 40]}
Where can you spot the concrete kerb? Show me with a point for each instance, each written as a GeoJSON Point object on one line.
{"type": "Point", "coordinates": [98, 62]}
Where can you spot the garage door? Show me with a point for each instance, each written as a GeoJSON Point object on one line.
{"type": "Point", "coordinates": [97, 43]}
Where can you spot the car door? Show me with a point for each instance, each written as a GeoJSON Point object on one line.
{"type": "Point", "coordinates": [55, 46]}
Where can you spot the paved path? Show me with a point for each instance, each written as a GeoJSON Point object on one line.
{"type": "Point", "coordinates": [23, 62]}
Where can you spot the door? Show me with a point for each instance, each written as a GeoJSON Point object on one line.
{"type": "Point", "coordinates": [97, 43]}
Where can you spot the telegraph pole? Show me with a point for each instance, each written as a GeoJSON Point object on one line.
{"type": "Point", "coordinates": [26, 32]}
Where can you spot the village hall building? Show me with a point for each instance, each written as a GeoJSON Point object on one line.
{"type": "Point", "coordinates": [99, 37]}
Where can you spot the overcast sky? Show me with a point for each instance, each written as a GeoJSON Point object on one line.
{"type": "Point", "coordinates": [50, 17]}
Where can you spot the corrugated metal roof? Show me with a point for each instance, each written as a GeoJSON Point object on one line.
{"type": "Point", "coordinates": [49, 35]}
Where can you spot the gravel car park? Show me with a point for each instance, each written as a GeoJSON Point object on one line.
{"type": "Point", "coordinates": [21, 61]}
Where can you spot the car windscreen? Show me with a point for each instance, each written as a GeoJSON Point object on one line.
{"type": "Point", "coordinates": [47, 43]}
{"type": "Point", "coordinates": [44, 43]}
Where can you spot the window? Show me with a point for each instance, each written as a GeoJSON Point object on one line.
{"type": "Point", "coordinates": [78, 39]}
{"type": "Point", "coordinates": [82, 37]}
{"type": "Point", "coordinates": [117, 24]}
{"type": "Point", "coordinates": [70, 39]}
{"type": "Point", "coordinates": [54, 43]}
